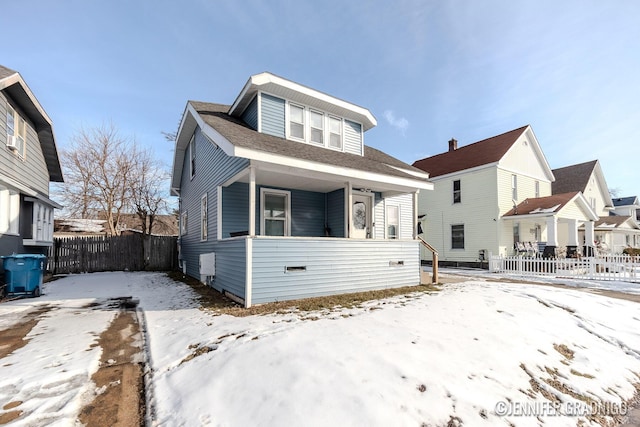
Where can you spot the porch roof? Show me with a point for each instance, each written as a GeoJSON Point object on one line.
{"type": "Point", "coordinates": [239, 140]}
{"type": "Point", "coordinates": [610, 222]}
{"type": "Point", "coordinates": [551, 206]}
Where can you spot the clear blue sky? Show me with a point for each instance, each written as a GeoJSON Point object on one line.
{"type": "Point", "coordinates": [428, 70]}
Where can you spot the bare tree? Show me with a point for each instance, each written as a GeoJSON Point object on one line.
{"type": "Point", "coordinates": [108, 175]}
{"type": "Point", "coordinates": [614, 192]}
{"type": "Point", "coordinates": [148, 189]}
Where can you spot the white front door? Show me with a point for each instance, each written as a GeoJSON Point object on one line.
{"type": "Point", "coordinates": [361, 217]}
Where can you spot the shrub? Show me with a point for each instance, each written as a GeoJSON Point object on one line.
{"type": "Point", "coordinates": [631, 251]}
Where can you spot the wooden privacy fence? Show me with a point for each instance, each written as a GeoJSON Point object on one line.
{"type": "Point", "coordinates": [609, 267]}
{"type": "Point", "coordinates": [117, 253]}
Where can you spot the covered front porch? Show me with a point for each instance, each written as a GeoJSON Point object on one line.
{"type": "Point", "coordinates": [273, 200]}
{"type": "Point", "coordinates": [555, 226]}
{"type": "Point", "coordinates": [287, 233]}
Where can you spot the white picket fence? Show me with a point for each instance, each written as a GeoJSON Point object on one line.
{"type": "Point", "coordinates": [611, 267]}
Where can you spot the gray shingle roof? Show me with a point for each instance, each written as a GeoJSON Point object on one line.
{"type": "Point", "coordinates": [572, 178]}
{"type": "Point", "coordinates": [6, 72]}
{"type": "Point", "coordinates": [240, 134]}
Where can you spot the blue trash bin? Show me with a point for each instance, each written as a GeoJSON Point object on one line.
{"type": "Point", "coordinates": [23, 273]}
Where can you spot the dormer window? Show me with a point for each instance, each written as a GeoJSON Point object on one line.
{"type": "Point", "coordinates": [315, 127]}
{"type": "Point", "coordinates": [335, 133]}
{"type": "Point", "coordinates": [296, 121]}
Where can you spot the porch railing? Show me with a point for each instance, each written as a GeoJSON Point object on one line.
{"type": "Point", "coordinates": [609, 267]}
{"type": "Point", "coordinates": [434, 263]}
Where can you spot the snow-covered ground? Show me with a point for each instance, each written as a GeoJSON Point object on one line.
{"type": "Point", "coordinates": [476, 352]}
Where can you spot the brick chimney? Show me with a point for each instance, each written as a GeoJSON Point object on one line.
{"type": "Point", "coordinates": [453, 144]}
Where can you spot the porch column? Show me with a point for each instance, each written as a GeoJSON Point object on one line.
{"type": "Point", "coordinates": [552, 237]}
{"type": "Point", "coordinates": [347, 209]}
{"type": "Point", "coordinates": [589, 238]}
{"type": "Point", "coordinates": [415, 215]}
{"type": "Point", "coordinates": [252, 201]}
{"type": "Point", "coordinates": [572, 242]}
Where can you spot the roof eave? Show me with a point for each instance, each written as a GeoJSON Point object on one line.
{"type": "Point", "coordinates": [23, 95]}
{"type": "Point", "coordinates": [263, 81]}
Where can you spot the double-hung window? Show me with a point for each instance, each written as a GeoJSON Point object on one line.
{"type": "Point", "coordinates": [457, 236]}
{"type": "Point", "coordinates": [183, 223]}
{"type": "Point", "coordinates": [276, 208]}
{"type": "Point", "coordinates": [314, 127]}
{"type": "Point", "coordinates": [514, 187]}
{"type": "Point", "coordinates": [204, 221]}
{"type": "Point", "coordinates": [456, 191]}
{"type": "Point", "coordinates": [335, 133]}
{"type": "Point", "coordinates": [296, 121]}
{"type": "Point", "coordinates": [192, 155]}
{"type": "Point", "coordinates": [316, 122]}
{"type": "Point", "coordinates": [16, 132]}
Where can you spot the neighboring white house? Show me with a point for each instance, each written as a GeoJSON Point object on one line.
{"type": "Point", "coordinates": [491, 195]}
{"type": "Point", "coordinates": [626, 206]}
{"type": "Point", "coordinates": [617, 226]}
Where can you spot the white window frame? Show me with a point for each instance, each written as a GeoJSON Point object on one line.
{"type": "Point", "coordinates": [307, 128]}
{"type": "Point", "coordinates": [321, 129]}
{"type": "Point", "coordinates": [340, 135]}
{"type": "Point", "coordinates": [287, 214]}
{"type": "Point", "coordinates": [192, 156]}
{"type": "Point", "coordinates": [386, 229]}
{"type": "Point", "coordinates": [458, 191]}
{"type": "Point", "coordinates": [183, 223]}
{"type": "Point", "coordinates": [304, 122]}
{"type": "Point", "coordinates": [463, 237]}
{"type": "Point", "coordinates": [19, 131]}
{"type": "Point", "coordinates": [537, 189]}
{"type": "Point", "coordinates": [204, 218]}
{"type": "Point", "coordinates": [514, 187]}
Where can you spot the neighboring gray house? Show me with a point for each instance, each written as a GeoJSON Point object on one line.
{"type": "Point", "coordinates": [280, 198]}
{"type": "Point", "coordinates": [28, 163]}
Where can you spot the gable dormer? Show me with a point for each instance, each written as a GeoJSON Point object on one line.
{"type": "Point", "coordinates": [282, 108]}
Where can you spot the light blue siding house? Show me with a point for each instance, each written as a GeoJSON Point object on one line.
{"type": "Point", "coordinates": [280, 199]}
